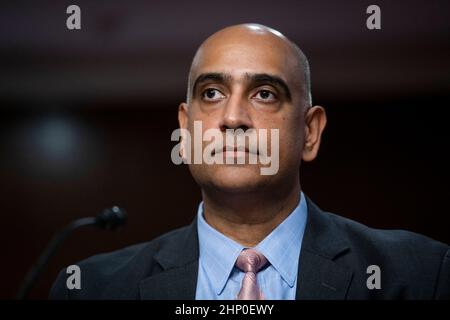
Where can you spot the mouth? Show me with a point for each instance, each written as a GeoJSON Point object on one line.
{"type": "Point", "coordinates": [230, 151]}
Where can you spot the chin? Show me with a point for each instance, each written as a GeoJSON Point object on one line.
{"type": "Point", "coordinates": [238, 179]}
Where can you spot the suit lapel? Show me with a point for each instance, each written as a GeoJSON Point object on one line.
{"type": "Point", "coordinates": [179, 263]}
{"type": "Point", "coordinates": [321, 279]}
{"type": "Point", "coordinates": [319, 275]}
{"type": "Point", "coordinates": [174, 284]}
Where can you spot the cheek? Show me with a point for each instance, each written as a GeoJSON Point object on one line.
{"type": "Point", "coordinates": [200, 121]}
{"type": "Point", "coordinates": [291, 140]}
{"type": "Point", "coordinates": [208, 118]}
{"type": "Point", "coordinates": [289, 127]}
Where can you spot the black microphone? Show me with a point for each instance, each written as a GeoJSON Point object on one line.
{"type": "Point", "coordinates": [109, 219]}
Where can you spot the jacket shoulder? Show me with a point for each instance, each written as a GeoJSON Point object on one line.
{"type": "Point", "coordinates": [399, 241]}
{"type": "Point", "coordinates": [104, 273]}
{"type": "Point", "coordinates": [412, 265]}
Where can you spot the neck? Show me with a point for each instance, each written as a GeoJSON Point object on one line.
{"type": "Point", "coordinates": [248, 218]}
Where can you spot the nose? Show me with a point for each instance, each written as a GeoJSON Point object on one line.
{"type": "Point", "coordinates": [235, 115]}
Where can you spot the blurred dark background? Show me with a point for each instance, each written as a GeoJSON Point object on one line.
{"type": "Point", "coordinates": [86, 117]}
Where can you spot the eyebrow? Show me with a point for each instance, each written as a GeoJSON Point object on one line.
{"type": "Point", "coordinates": [211, 76]}
{"type": "Point", "coordinates": [262, 78]}
{"type": "Point", "coordinates": [254, 78]}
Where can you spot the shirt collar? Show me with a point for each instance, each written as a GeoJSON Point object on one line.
{"type": "Point", "coordinates": [281, 247]}
{"type": "Point", "coordinates": [217, 252]}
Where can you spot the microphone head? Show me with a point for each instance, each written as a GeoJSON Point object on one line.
{"type": "Point", "coordinates": [111, 218]}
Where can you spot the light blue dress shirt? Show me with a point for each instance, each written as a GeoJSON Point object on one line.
{"type": "Point", "coordinates": [218, 278]}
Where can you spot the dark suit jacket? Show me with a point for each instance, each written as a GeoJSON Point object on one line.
{"type": "Point", "coordinates": [334, 258]}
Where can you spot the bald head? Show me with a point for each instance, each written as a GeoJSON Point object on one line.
{"type": "Point", "coordinates": [255, 41]}
{"type": "Point", "coordinates": [250, 79]}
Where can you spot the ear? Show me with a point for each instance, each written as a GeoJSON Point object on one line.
{"type": "Point", "coordinates": [315, 122]}
{"type": "Point", "coordinates": [183, 115]}
{"type": "Point", "coordinates": [182, 122]}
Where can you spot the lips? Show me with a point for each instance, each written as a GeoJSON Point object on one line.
{"type": "Point", "coordinates": [235, 149]}
{"type": "Point", "coordinates": [232, 149]}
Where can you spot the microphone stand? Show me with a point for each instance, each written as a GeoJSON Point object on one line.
{"type": "Point", "coordinates": [109, 219]}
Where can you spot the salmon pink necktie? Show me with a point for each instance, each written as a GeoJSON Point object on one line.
{"type": "Point", "coordinates": [250, 261]}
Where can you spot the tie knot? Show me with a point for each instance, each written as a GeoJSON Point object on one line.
{"type": "Point", "coordinates": [251, 260]}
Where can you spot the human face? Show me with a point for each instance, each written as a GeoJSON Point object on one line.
{"type": "Point", "coordinates": [242, 81]}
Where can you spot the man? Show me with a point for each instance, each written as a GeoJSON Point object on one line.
{"type": "Point", "coordinates": [258, 236]}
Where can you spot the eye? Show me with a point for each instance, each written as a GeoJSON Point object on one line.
{"type": "Point", "coordinates": [265, 96]}
{"type": "Point", "coordinates": [212, 94]}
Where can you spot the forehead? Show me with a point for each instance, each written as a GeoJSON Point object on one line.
{"type": "Point", "coordinates": [242, 55]}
